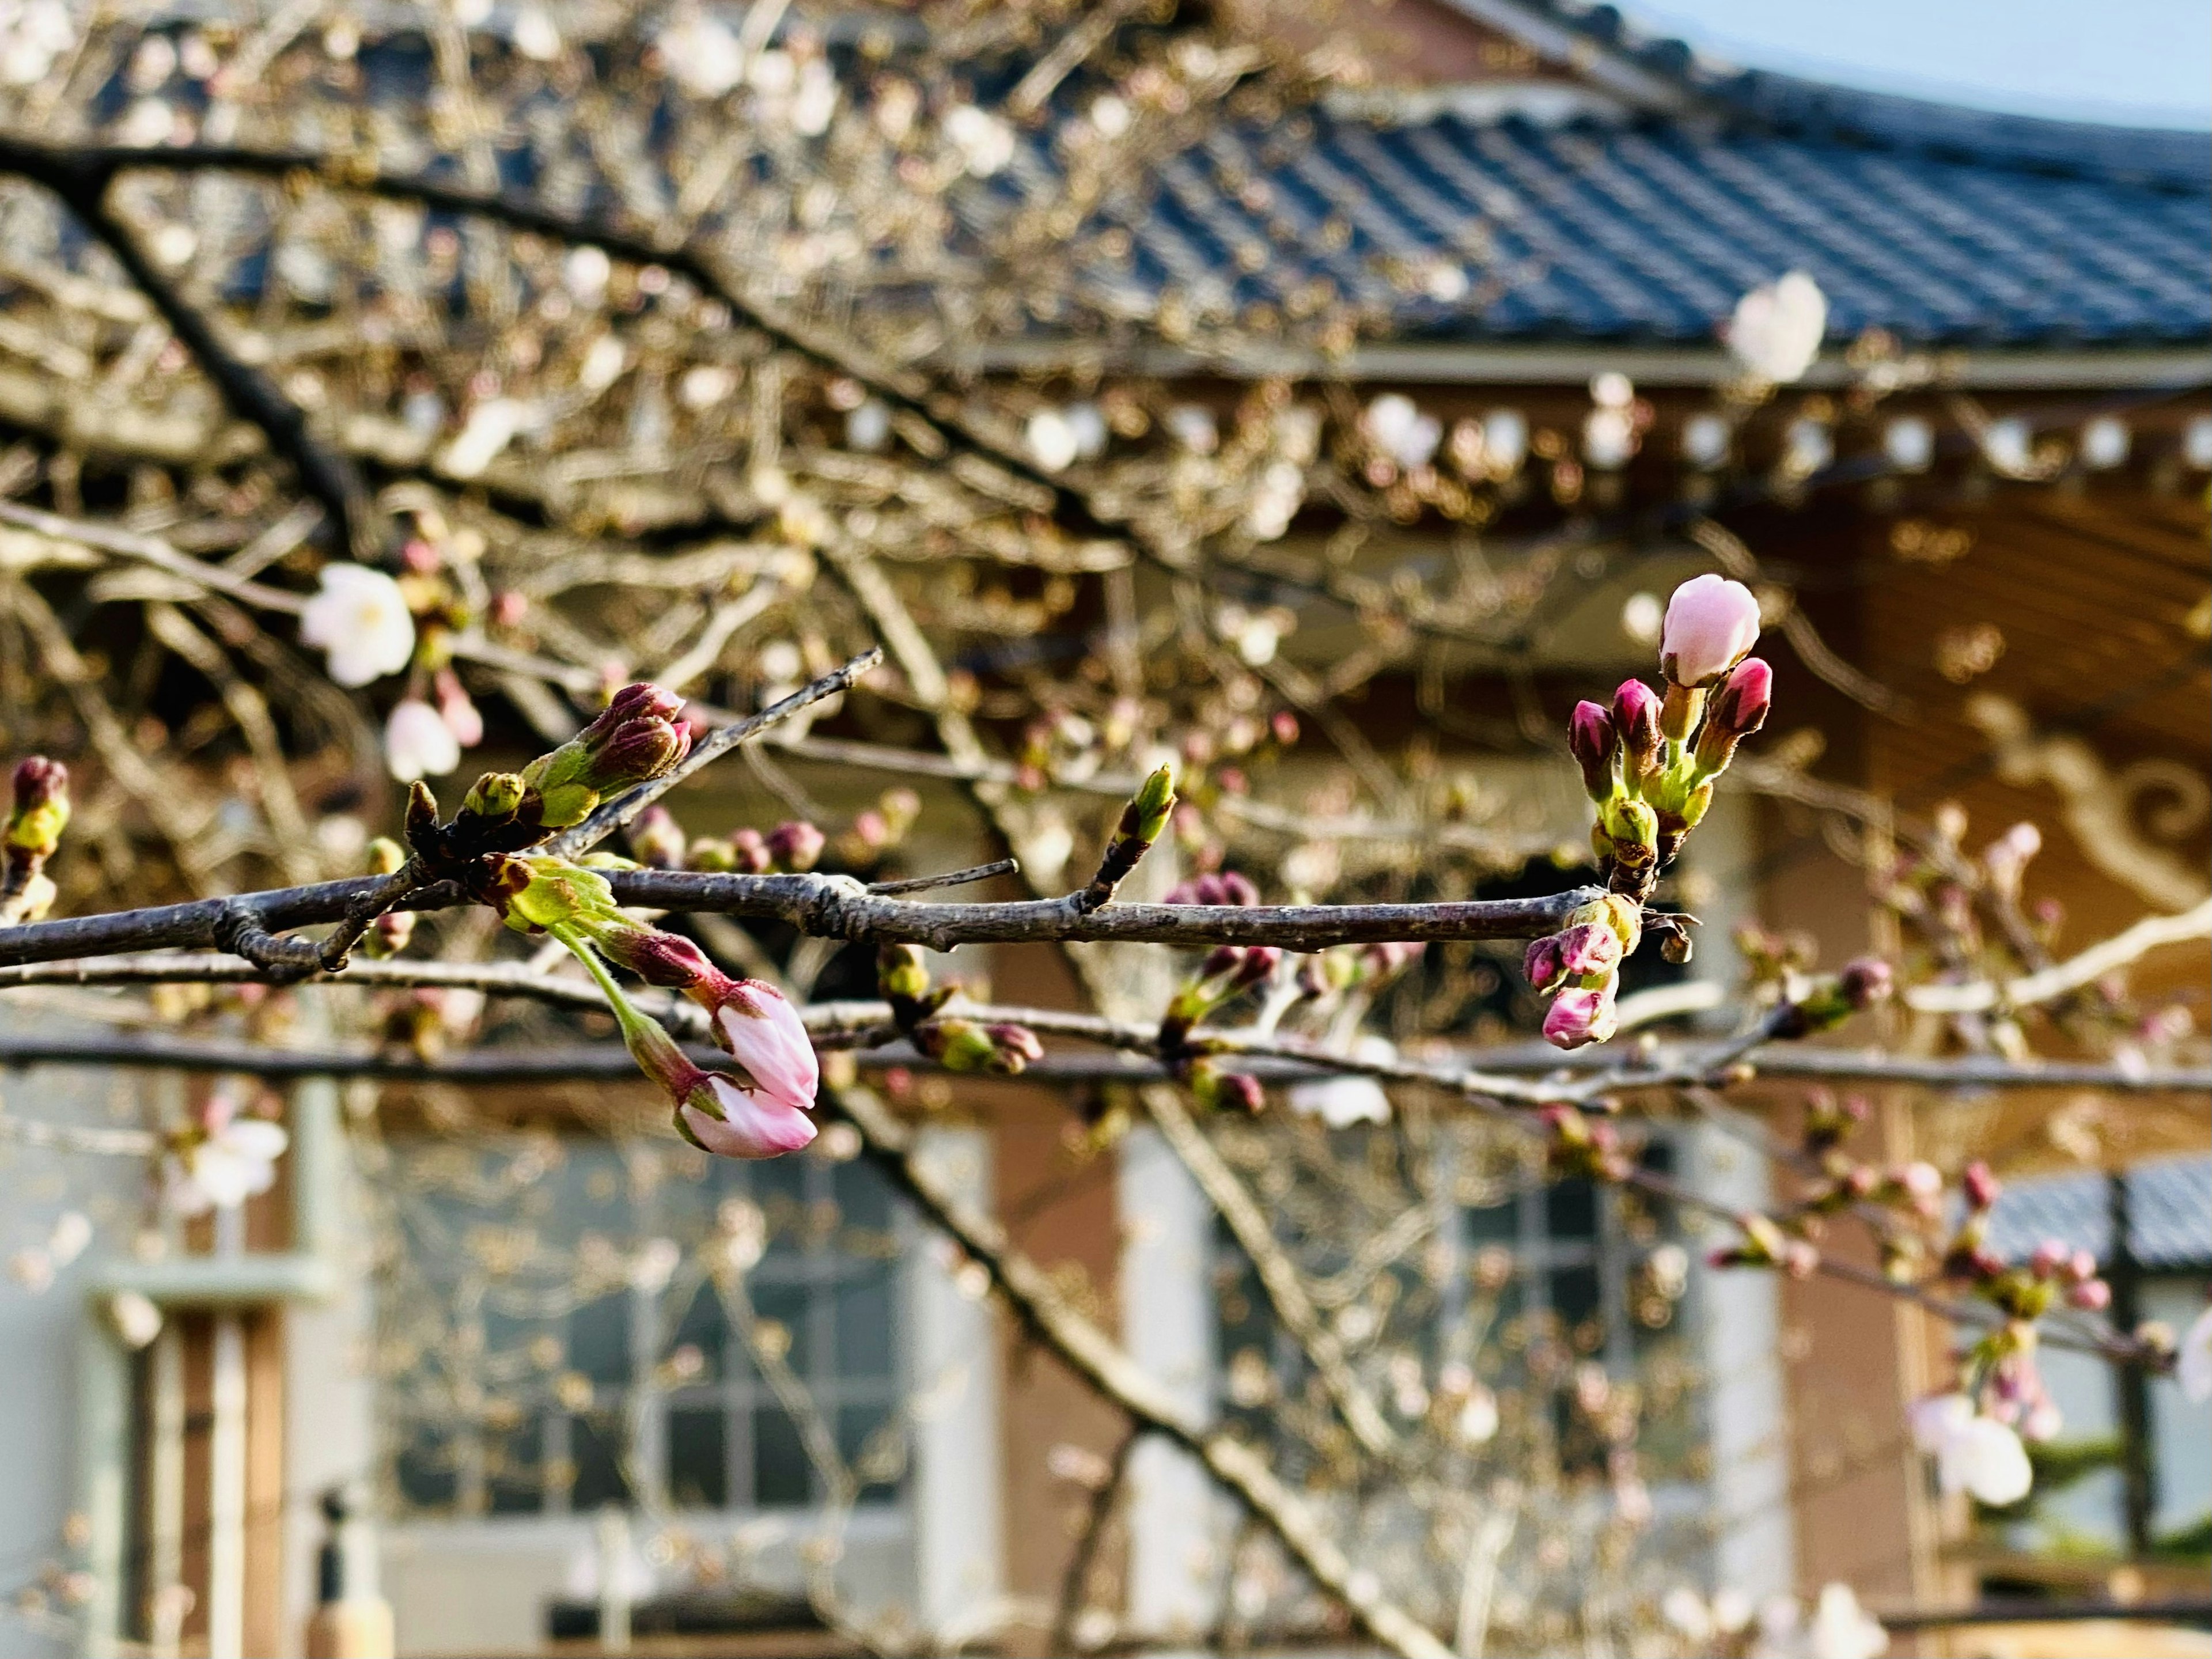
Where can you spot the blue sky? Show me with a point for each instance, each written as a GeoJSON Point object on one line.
{"type": "Point", "coordinates": [2143, 63]}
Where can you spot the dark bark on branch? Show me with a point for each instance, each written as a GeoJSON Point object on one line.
{"type": "Point", "coordinates": [82, 177]}
{"type": "Point", "coordinates": [831, 907]}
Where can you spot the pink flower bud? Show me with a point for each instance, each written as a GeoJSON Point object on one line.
{"type": "Point", "coordinates": [657, 839]}
{"type": "Point", "coordinates": [1636, 718]}
{"type": "Point", "coordinates": [763, 1033]}
{"type": "Point", "coordinates": [1242, 1090]}
{"type": "Point", "coordinates": [1593, 742]}
{"type": "Point", "coordinates": [1864, 981]}
{"type": "Point", "coordinates": [1735, 711]}
{"type": "Point", "coordinates": [1711, 625]}
{"type": "Point", "coordinates": [1592, 948]}
{"type": "Point", "coordinates": [2092, 1294]}
{"type": "Point", "coordinates": [748, 851]}
{"type": "Point", "coordinates": [721, 1116]}
{"type": "Point", "coordinates": [1982, 1186]}
{"type": "Point", "coordinates": [796, 845]}
{"type": "Point", "coordinates": [2050, 1256]}
{"type": "Point", "coordinates": [40, 808]}
{"type": "Point", "coordinates": [2082, 1267]}
{"type": "Point", "coordinates": [1541, 962]}
{"type": "Point", "coordinates": [1258, 965]}
{"type": "Point", "coordinates": [1580, 1015]}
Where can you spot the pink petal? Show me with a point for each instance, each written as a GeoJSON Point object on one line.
{"type": "Point", "coordinates": [764, 1034]}
{"type": "Point", "coordinates": [751, 1125]}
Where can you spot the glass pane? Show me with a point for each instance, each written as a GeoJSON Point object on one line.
{"type": "Point", "coordinates": [425, 1470]}
{"type": "Point", "coordinates": [1570, 1210]}
{"type": "Point", "coordinates": [514, 1478]}
{"type": "Point", "coordinates": [1575, 1304]}
{"type": "Point", "coordinates": [864, 1197]}
{"type": "Point", "coordinates": [1494, 1224]}
{"type": "Point", "coordinates": [780, 1474]}
{"type": "Point", "coordinates": [598, 1339]}
{"type": "Point", "coordinates": [595, 1443]}
{"type": "Point", "coordinates": [698, 1459]}
{"type": "Point", "coordinates": [864, 1328]}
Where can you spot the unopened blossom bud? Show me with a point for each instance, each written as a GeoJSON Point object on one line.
{"type": "Point", "coordinates": [1588, 948]}
{"type": "Point", "coordinates": [1733, 712]}
{"type": "Point", "coordinates": [1711, 624]}
{"type": "Point", "coordinates": [1636, 721]}
{"type": "Point", "coordinates": [1580, 1016]}
{"type": "Point", "coordinates": [2050, 1256]}
{"type": "Point", "coordinates": [749, 852]}
{"type": "Point", "coordinates": [795, 846]}
{"type": "Point", "coordinates": [1541, 962]}
{"type": "Point", "coordinates": [1242, 1090]}
{"type": "Point", "coordinates": [2091, 1295]}
{"type": "Point", "coordinates": [494, 796]}
{"type": "Point", "coordinates": [1866, 981]}
{"type": "Point", "coordinates": [1594, 744]}
{"type": "Point", "coordinates": [667, 960]}
{"type": "Point", "coordinates": [636, 737]}
{"type": "Point", "coordinates": [756, 1025]}
{"type": "Point", "coordinates": [2082, 1267]}
{"type": "Point", "coordinates": [720, 1115]}
{"type": "Point", "coordinates": [962, 1045]}
{"type": "Point", "coordinates": [544, 892]}
{"type": "Point", "coordinates": [1980, 1185]}
{"type": "Point", "coordinates": [902, 973]}
{"type": "Point", "coordinates": [657, 839]}
{"type": "Point", "coordinates": [40, 809]}
{"type": "Point", "coordinates": [1147, 813]}
{"type": "Point", "coordinates": [1258, 965]}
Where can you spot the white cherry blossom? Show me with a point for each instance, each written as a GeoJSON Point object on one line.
{"type": "Point", "coordinates": [359, 618]}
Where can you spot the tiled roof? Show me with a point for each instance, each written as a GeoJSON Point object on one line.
{"type": "Point", "coordinates": [2169, 1207]}
{"type": "Point", "coordinates": [1648, 231]}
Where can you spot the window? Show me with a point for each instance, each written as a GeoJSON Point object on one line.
{"type": "Point", "coordinates": [1527, 1282]}
{"type": "Point", "coordinates": [553, 1338]}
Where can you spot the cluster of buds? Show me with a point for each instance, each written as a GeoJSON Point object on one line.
{"type": "Point", "coordinates": [791, 849]}
{"type": "Point", "coordinates": [958, 1045]}
{"type": "Point", "coordinates": [2023, 1290]}
{"type": "Point", "coordinates": [1355, 966]}
{"type": "Point", "coordinates": [1215, 887]}
{"type": "Point", "coordinates": [1766, 1243]}
{"type": "Point", "coordinates": [1227, 972]}
{"type": "Point", "coordinates": [1649, 761]}
{"type": "Point", "coordinates": [1831, 999]}
{"type": "Point", "coordinates": [636, 736]}
{"type": "Point", "coordinates": [1579, 968]}
{"type": "Point", "coordinates": [1217, 1089]}
{"type": "Point", "coordinates": [764, 1109]}
{"type": "Point", "coordinates": [1580, 1147]}
{"type": "Point", "coordinates": [878, 828]}
{"type": "Point", "coordinates": [38, 813]}
{"type": "Point", "coordinates": [635, 739]}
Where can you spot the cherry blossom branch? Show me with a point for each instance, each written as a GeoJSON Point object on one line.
{"type": "Point", "coordinates": [828, 907]}
{"type": "Point", "coordinates": [1501, 1074]}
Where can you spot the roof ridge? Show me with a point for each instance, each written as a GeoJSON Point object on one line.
{"type": "Point", "coordinates": [1667, 76]}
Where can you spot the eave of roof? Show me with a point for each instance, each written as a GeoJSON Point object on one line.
{"type": "Point", "coordinates": [1570, 363]}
